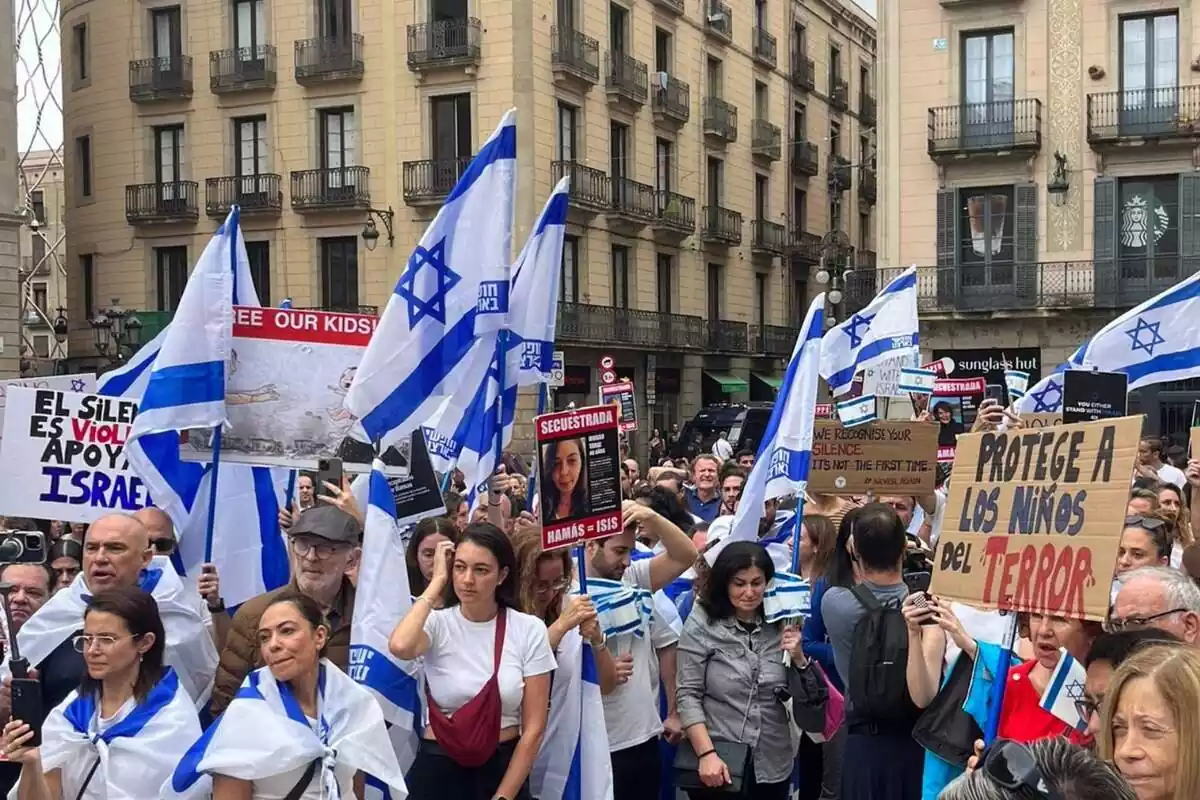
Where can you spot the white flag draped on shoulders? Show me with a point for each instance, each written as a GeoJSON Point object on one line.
{"type": "Point", "coordinates": [264, 734]}
{"type": "Point", "coordinates": [382, 600]}
{"type": "Point", "coordinates": [452, 290]}
{"type": "Point", "coordinates": [574, 762]}
{"type": "Point", "coordinates": [189, 645]}
{"type": "Point", "coordinates": [785, 455]}
{"type": "Point", "coordinates": [136, 753]}
{"type": "Point", "coordinates": [1156, 342]}
{"type": "Point", "coordinates": [886, 329]}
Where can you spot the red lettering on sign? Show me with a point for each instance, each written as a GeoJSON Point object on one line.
{"type": "Point", "coordinates": [1046, 580]}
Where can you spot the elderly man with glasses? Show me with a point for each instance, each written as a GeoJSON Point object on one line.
{"type": "Point", "coordinates": [1158, 597]}
{"type": "Point", "coordinates": [324, 544]}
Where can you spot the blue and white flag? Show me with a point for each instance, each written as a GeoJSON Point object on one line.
{"type": "Point", "coordinates": [264, 733]}
{"type": "Point", "coordinates": [621, 608]}
{"type": "Point", "coordinates": [882, 332]}
{"type": "Point", "coordinates": [1065, 687]}
{"type": "Point", "coordinates": [574, 762]}
{"type": "Point", "coordinates": [788, 596]}
{"type": "Point", "coordinates": [452, 290]}
{"type": "Point", "coordinates": [382, 600]}
{"type": "Point", "coordinates": [131, 378]}
{"type": "Point", "coordinates": [1017, 383]}
{"type": "Point", "coordinates": [858, 411]}
{"type": "Point", "coordinates": [1156, 342]}
{"type": "Point", "coordinates": [917, 381]}
{"type": "Point", "coordinates": [785, 455]}
{"type": "Point", "coordinates": [1044, 397]}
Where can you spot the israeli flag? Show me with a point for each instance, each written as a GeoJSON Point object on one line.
{"type": "Point", "coordinates": [787, 596]}
{"type": "Point", "coordinates": [1045, 397]}
{"type": "Point", "coordinates": [574, 762]}
{"type": "Point", "coordinates": [1065, 687]}
{"type": "Point", "coordinates": [917, 381]}
{"type": "Point", "coordinates": [786, 451]}
{"type": "Point", "coordinates": [453, 289]}
{"type": "Point", "coordinates": [1017, 383]}
{"type": "Point", "coordinates": [382, 600]}
{"type": "Point", "coordinates": [858, 411]}
{"type": "Point", "coordinates": [885, 330]}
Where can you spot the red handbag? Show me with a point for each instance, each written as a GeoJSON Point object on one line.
{"type": "Point", "coordinates": [471, 734]}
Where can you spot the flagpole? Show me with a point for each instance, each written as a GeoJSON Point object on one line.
{"type": "Point", "coordinates": [234, 221]}
{"type": "Point", "coordinates": [796, 536]}
{"type": "Point", "coordinates": [581, 560]}
{"type": "Point", "coordinates": [291, 490]}
{"type": "Point", "coordinates": [541, 409]}
{"type": "Point", "coordinates": [999, 684]}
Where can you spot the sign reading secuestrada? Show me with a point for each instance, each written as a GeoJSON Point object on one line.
{"type": "Point", "coordinates": [1034, 518]}
{"type": "Point", "coordinates": [579, 475]}
{"type": "Point", "coordinates": [883, 457]}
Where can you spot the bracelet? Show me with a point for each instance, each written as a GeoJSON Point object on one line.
{"type": "Point", "coordinates": [709, 752]}
{"type": "Point", "coordinates": [428, 602]}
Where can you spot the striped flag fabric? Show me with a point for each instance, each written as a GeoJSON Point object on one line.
{"type": "Point", "coordinates": [1065, 687]}
{"type": "Point", "coordinates": [884, 330]}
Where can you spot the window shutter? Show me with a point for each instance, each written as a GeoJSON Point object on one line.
{"type": "Point", "coordinates": [1025, 243]}
{"type": "Point", "coordinates": [947, 247]}
{"type": "Point", "coordinates": [1189, 224]}
{"type": "Point", "coordinates": [1104, 240]}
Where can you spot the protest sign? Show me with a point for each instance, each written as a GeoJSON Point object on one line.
{"type": "Point", "coordinates": [621, 394]}
{"type": "Point", "coordinates": [954, 404]}
{"type": "Point", "coordinates": [1034, 518]}
{"type": "Point", "coordinates": [579, 475]}
{"type": "Point", "coordinates": [1089, 396]}
{"type": "Point", "coordinates": [65, 456]}
{"type": "Point", "coordinates": [79, 382]}
{"type": "Point", "coordinates": [417, 494]}
{"type": "Point", "coordinates": [1042, 419]}
{"type": "Point", "coordinates": [883, 457]}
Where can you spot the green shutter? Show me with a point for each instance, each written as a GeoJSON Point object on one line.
{"type": "Point", "coordinates": [1189, 224]}
{"type": "Point", "coordinates": [947, 247]}
{"type": "Point", "coordinates": [1104, 241]}
{"type": "Point", "coordinates": [1025, 243]}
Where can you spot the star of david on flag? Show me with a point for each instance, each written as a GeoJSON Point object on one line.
{"type": "Point", "coordinates": [856, 322]}
{"type": "Point", "coordinates": [78, 385]}
{"type": "Point", "coordinates": [426, 267]}
{"type": "Point", "coordinates": [885, 331]}
{"type": "Point", "coordinates": [1135, 336]}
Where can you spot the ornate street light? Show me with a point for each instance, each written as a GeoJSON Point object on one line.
{"type": "Point", "coordinates": [117, 332]}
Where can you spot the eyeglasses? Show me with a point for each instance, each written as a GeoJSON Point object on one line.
{"type": "Point", "coordinates": [318, 548]}
{"type": "Point", "coordinates": [103, 641]}
{"type": "Point", "coordinates": [561, 585]}
{"type": "Point", "coordinates": [1147, 523]}
{"type": "Point", "coordinates": [164, 547]}
{"type": "Point", "coordinates": [1011, 766]}
{"type": "Point", "coordinates": [1136, 623]}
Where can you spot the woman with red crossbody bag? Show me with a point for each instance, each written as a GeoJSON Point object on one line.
{"type": "Point", "coordinates": [487, 673]}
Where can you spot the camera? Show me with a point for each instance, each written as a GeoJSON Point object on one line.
{"type": "Point", "coordinates": [22, 547]}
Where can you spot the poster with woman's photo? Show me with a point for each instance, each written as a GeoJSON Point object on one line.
{"type": "Point", "coordinates": [953, 406]}
{"type": "Point", "coordinates": [579, 475]}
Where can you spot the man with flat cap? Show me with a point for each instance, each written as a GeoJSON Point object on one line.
{"type": "Point", "coordinates": [323, 544]}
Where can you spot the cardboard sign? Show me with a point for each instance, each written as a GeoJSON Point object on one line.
{"type": "Point", "coordinates": [1042, 419]}
{"type": "Point", "coordinates": [418, 494]}
{"type": "Point", "coordinates": [64, 456]}
{"type": "Point", "coordinates": [79, 382]}
{"type": "Point", "coordinates": [1034, 518]}
{"type": "Point", "coordinates": [883, 379]}
{"type": "Point", "coordinates": [1089, 396]}
{"type": "Point", "coordinates": [883, 457]}
{"type": "Point", "coordinates": [621, 394]}
{"type": "Point", "coordinates": [579, 475]}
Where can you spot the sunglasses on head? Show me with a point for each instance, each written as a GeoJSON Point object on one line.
{"type": "Point", "coordinates": [1148, 523]}
{"type": "Point", "coordinates": [1010, 765]}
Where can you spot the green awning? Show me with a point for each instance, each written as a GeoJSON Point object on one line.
{"type": "Point", "coordinates": [728, 383]}
{"type": "Point", "coordinates": [769, 380]}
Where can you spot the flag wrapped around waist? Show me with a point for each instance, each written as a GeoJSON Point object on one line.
{"type": "Point", "coordinates": [264, 733]}
{"type": "Point", "coordinates": [788, 596]}
{"type": "Point", "coordinates": [136, 753]}
{"type": "Point", "coordinates": [621, 608]}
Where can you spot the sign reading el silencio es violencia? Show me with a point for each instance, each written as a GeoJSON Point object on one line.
{"type": "Point", "coordinates": [1034, 518]}
{"type": "Point", "coordinates": [579, 475]}
{"type": "Point", "coordinates": [883, 457]}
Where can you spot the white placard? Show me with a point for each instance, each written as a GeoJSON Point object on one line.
{"type": "Point", "coordinates": [79, 382]}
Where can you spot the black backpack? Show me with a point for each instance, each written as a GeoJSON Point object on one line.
{"type": "Point", "coordinates": [878, 686]}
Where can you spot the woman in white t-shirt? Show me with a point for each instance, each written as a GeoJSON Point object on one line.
{"type": "Point", "coordinates": [486, 710]}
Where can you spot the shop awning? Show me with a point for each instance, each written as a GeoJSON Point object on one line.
{"type": "Point", "coordinates": [769, 380]}
{"type": "Point", "coordinates": [729, 383]}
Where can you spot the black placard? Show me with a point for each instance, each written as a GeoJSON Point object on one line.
{"type": "Point", "coordinates": [417, 495]}
{"type": "Point", "coordinates": [1089, 396]}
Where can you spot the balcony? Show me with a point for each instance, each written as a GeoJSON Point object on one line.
{"type": "Point", "coordinates": [575, 59]}
{"type": "Point", "coordinates": [1144, 115]}
{"type": "Point", "coordinates": [805, 158]}
{"type": "Point", "coordinates": [429, 182]}
{"type": "Point", "coordinates": [804, 74]}
{"type": "Point", "coordinates": [719, 20]}
{"type": "Point", "coordinates": [865, 259]}
{"type": "Point", "coordinates": [766, 51]}
{"type": "Point", "coordinates": [329, 58]}
{"type": "Point", "coordinates": [676, 7]}
{"type": "Point", "coordinates": [672, 103]}
{"type": "Point", "coordinates": [868, 185]}
{"type": "Point", "coordinates": [580, 323]}
{"type": "Point", "coordinates": [1001, 127]}
{"type": "Point", "coordinates": [331, 189]}
{"type": "Point", "coordinates": [155, 79]}
{"type": "Point", "coordinates": [773, 340]}
{"type": "Point", "coordinates": [867, 112]}
{"type": "Point", "coordinates": [675, 219]}
{"type": "Point", "coordinates": [241, 69]}
{"type": "Point", "coordinates": [444, 44]}
{"type": "Point", "coordinates": [805, 247]}
{"type": "Point", "coordinates": [370, 311]}
{"type": "Point", "coordinates": [767, 238]}
{"type": "Point", "coordinates": [255, 194]}
{"type": "Point", "coordinates": [170, 201]}
{"type": "Point", "coordinates": [720, 120]}
{"type": "Point", "coordinates": [726, 336]}
{"type": "Point", "coordinates": [721, 226]}
{"type": "Point", "coordinates": [839, 93]}
{"type": "Point", "coordinates": [839, 173]}
{"type": "Point", "coordinates": [625, 80]}
{"type": "Point", "coordinates": [632, 204]}
{"type": "Point", "coordinates": [766, 140]}
{"type": "Point", "coordinates": [591, 189]}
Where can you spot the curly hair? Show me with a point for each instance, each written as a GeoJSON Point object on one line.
{"type": "Point", "coordinates": [527, 544]}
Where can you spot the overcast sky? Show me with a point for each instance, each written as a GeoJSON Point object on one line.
{"type": "Point", "coordinates": [870, 6]}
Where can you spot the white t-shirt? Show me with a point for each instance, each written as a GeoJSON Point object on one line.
{"type": "Point", "coordinates": [631, 710]}
{"type": "Point", "coordinates": [722, 449]}
{"type": "Point", "coordinates": [462, 653]}
{"type": "Point", "coordinates": [277, 787]}
{"type": "Point", "coordinates": [1170, 474]}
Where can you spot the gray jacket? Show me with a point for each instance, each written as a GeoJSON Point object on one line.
{"type": "Point", "coordinates": [728, 679]}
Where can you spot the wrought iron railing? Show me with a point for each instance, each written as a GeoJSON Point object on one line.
{"type": "Point", "coordinates": [1000, 125]}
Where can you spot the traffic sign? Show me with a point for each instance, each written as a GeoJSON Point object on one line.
{"type": "Point", "coordinates": [607, 362]}
{"type": "Point", "coordinates": [608, 376]}
{"type": "Point", "coordinates": [557, 370]}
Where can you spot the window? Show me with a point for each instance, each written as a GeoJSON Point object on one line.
{"type": "Point", "coordinates": [799, 122]}
{"type": "Point", "coordinates": [250, 146]}
{"type": "Point", "coordinates": [713, 76]}
{"type": "Point", "coordinates": [864, 80]}
{"type": "Point", "coordinates": [37, 199]}
{"type": "Point", "coordinates": [451, 114]}
{"type": "Point", "coordinates": [620, 276]}
{"type": "Point", "coordinates": [566, 14]}
{"type": "Point", "coordinates": [249, 27]}
{"type": "Point", "coordinates": [665, 281]}
{"type": "Point", "coordinates": [339, 148]}
{"type": "Point", "coordinates": [799, 300]}
{"type": "Point", "coordinates": [167, 29]}
{"type": "Point", "coordinates": [259, 256]}
{"type": "Point", "coordinates": [835, 139]}
{"type": "Point", "coordinates": [168, 155]}
{"type": "Point", "coordinates": [83, 152]}
{"type": "Point", "coordinates": [716, 174]}
{"type": "Point", "coordinates": [664, 164]}
{"type": "Point", "coordinates": [568, 116]}
{"type": "Point", "coordinates": [987, 86]}
{"type": "Point", "coordinates": [662, 50]}
{"type": "Point", "coordinates": [985, 230]}
{"type": "Point", "coordinates": [760, 14]}
{"type": "Point", "coordinates": [335, 18]}
{"type": "Point", "coordinates": [618, 23]}
{"type": "Point", "coordinates": [1148, 211]}
{"type": "Point", "coordinates": [39, 296]}
{"type": "Point", "coordinates": [79, 38]}
{"type": "Point", "coordinates": [761, 108]}
{"type": "Point", "coordinates": [761, 303]}
{"type": "Point", "coordinates": [171, 271]}
{"type": "Point", "coordinates": [864, 230]}
{"type": "Point", "coordinates": [761, 195]}
{"type": "Point", "coordinates": [835, 65]}
{"type": "Point", "coordinates": [37, 246]}
{"type": "Point", "coordinates": [799, 41]}
{"type": "Point", "coordinates": [865, 155]}
{"type": "Point", "coordinates": [568, 287]}
{"type": "Point", "coordinates": [1149, 68]}
{"type": "Point", "coordinates": [339, 273]}
{"type": "Point", "coordinates": [618, 144]}
{"type": "Point", "coordinates": [41, 346]}
{"type": "Point", "coordinates": [714, 292]}
{"type": "Point", "coordinates": [87, 271]}
{"type": "Point", "coordinates": [799, 209]}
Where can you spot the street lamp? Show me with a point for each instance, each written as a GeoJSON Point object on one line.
{"type": "Point", "coordinates": [835, 249]}
{"type": "Point", "coordinates": [117, 332]}
{"type": "Point", "coordinates": [370, 233]}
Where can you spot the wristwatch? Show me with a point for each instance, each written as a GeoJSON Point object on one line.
{"type": "Point", "coordinates": [603, 643]}
{"type": "Point", "coordinates": [217, 607]}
